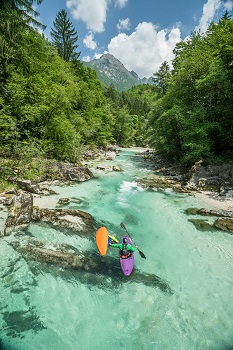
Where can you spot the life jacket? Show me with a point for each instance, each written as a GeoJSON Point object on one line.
{"type": "Point", "coordinates": [125, 253]}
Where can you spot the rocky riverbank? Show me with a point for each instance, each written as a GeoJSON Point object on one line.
{"type": "Point", "coordinates": [19, 207]}
{"type": "Point", "coordinates": [28, 202]}
{"type": "Point", "coordinates": [212, 185]}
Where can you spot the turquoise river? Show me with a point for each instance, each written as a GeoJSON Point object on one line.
{"type": "Point", "coordinates": [189, 308]}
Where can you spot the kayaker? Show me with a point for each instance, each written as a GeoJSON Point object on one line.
{"type": "Point", "coordinates": [125, 248]}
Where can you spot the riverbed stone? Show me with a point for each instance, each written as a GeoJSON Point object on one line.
{"type": "Point", "coordinates": [86, 262]}
{"type": "Point", "coordinates": [19, 212]}
{"type": "Point", "coordinates": [110, 155]}
{"type": "Point", "coordinates": [64, 201]}
{"type": "Point", "coordinates": [202, 225]}
{"type": "Point", "coordinates": [209, 212]}
{"type": "Point", "coordinates": [73, 219]}
{"type": "Point", "coordinates": [225, 224]}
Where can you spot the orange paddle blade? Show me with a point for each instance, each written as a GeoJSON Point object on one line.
{"type": "Point", "coordinates": [102, 240]}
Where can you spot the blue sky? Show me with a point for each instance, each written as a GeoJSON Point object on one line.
{"type": "Point", "coordinates": [140, 33]}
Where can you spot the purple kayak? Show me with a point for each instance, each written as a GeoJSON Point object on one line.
{"type": "Point", "coordinates": [127, 263]}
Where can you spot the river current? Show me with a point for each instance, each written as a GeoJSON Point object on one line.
{"type": "Point", "coordinates": [190, 308]}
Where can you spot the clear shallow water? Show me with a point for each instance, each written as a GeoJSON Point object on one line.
{"type": "Point", "coordinates": [44, 307]}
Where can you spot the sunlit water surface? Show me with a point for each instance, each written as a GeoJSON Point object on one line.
{"type": "Point", "coordinates": [46, 307]}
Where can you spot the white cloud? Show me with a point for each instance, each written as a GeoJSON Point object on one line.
{"type": "Point", "coordinates": [145, 49]}
{"type": "Point", "coordinates": [228, 5]}
{"type": "Point", "coordinates": [123, 24]}
{"type": "Point", "coordinates": [121, 3]}
{"type": "Point", "coordinates": [89, 42]}
{"type": "Point", "coordinates": [91, 12]}
{"type": "Point", "coordinates": [209, 11]}
{"type": "Point", "coordinates": [97, 55]}
{"type": "Point", "coordinates": [86, 58]}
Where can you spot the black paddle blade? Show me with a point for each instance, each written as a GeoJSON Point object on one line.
{"type": "Point", "coordinates": [142, 255]}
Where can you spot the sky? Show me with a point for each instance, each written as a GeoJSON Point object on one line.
{"type": "Point", "coordinates": [141, 34]}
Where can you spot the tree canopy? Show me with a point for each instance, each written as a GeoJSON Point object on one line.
{"type": "Point", "coordinates": [193, 119]}
{"type": "Point", "coordinates": [50, 104]}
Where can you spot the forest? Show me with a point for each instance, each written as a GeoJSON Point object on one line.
{"type": "Point", "coordinates": [53, 107]}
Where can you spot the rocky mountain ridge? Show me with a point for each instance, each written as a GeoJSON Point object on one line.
{"type": "Point", "coordinates": [111, 71]}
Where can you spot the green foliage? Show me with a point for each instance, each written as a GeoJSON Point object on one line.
{"type": "Point", "coordinates": [162, 77]}
{"type": "Point", "coordinates": [131, 110]}
{"type": "Point", "coordinates": [193, 120]}
{"type": "Point", "coordinates": [24, 8]}
{"type": "Point", "coordinates": [64, 37]}
{"type": "Point", "coordinates": [53, 106]}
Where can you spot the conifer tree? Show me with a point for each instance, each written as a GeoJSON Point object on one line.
{"type": "Point", "coordinates": [64, 37]}
{"type": "Point", "coordinates": [24, 9]}
{"type": "Point", "coordinates": [162, 76]}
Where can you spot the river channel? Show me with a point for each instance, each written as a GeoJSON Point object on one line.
{"type": "Point", "coordinates": [190, 308]}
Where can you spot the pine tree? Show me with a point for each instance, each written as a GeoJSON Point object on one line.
{"type": "Point", "coordinates": [24, 9]}
{"type": "Point", "coordinates": [64, 37]}
{"type": "Point", "coordinates": [161, 77]}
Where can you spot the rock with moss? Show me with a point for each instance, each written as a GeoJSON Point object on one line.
{"type": "Point", "coordinates": [225, 224]}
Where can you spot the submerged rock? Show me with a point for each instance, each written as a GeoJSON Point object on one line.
{"type": "Point", "coordinates": [202, 225]}
{"type": "Point", "coordinates": [109, 168]}
{"type": "Point", "coordinates": [100, 270]}
{"type": "Point", "coordinates": [209, 212]}
{"type": "Point", "coordinates": [224, 221]}
{"type": "Point", "coordinates": [225, 224]}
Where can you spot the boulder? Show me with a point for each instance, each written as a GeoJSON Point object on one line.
{"type": "Point", "coordinates": [225, 224]}
{"type": "Point", "coordinates": [28, 186]}
{"type": "Point", "coordinates": [19, 212]}
{"type": "Point", "coordinates": [73, 219]}
{"type": "Point", "coordinates": [211, 177]}
{"type": "Point", "coordinates": [74, 172]}
{"type": "Point", "coordinates": [110, 155]}
{"type": "Point", "coordinates": [64, 201]}
{"type": "Point", "coordinates": [209, 212]}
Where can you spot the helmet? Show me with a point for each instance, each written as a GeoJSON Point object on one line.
{"type": "Point", "coordinates": [124, 240]}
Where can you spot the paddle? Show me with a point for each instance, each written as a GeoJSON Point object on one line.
{"type": "Point", "coordinates": [141, 253]}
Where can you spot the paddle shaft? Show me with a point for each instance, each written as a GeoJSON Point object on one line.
{"type": "Point", "coordinates": [140, 252]}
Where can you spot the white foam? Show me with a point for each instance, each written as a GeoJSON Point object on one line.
{"type": "Point", "coordinates": [126, 190]}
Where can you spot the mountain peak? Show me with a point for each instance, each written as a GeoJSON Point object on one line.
{"type": "Point", "coordinates": [111, 71]}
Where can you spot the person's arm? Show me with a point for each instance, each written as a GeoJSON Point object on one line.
{"type": "Point", "coordinates": [131, 248]}
{"type": "Point", "coordinates": [116, 245]}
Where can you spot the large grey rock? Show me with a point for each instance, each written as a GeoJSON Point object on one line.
{"type": "Point", "coordinates": [74, 172]}
{"type": "Point", "coordinates": [215, 177]}
{"type": "Point", "coordinates": [72, 219]}
{"type": "Point", "coordinates": [19, 212]}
